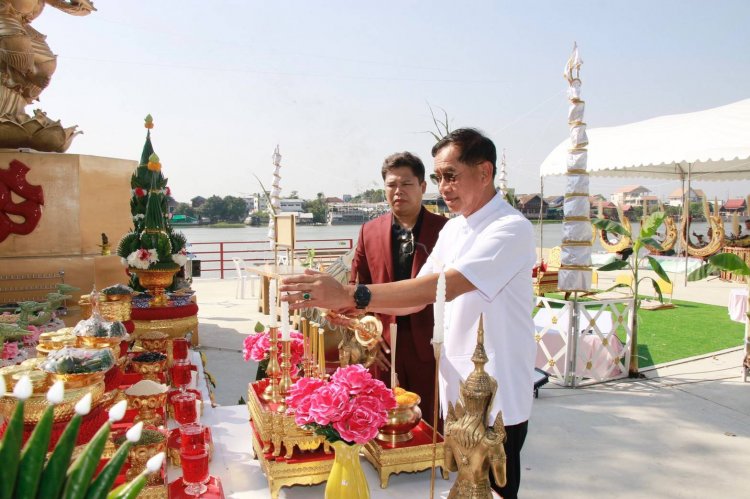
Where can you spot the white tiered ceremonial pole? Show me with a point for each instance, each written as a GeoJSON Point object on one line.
{"type": "Point", "coordinates": [438, 334]}
{"type": "Point", "coordinates": [275, 196]}
{"type": "Point", "coordinates": [575, 257]}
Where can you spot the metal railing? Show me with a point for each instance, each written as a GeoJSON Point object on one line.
{"type": "Point", "coordinates": [216, 256]}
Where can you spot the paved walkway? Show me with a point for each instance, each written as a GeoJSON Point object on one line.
{"type": "Point", "coordinates": [683, 431]}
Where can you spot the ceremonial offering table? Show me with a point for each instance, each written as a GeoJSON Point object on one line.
{"type": "Point", "coordinates": [175, 321]}
{"type": "Point", "coordinates": [243, 477]}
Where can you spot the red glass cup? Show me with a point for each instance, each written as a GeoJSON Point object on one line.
{"type": "Point", "coordinates": [195, 471]}
{"type": "Point", "coordinates": [185, 410]}
{"type": "Point", "coordinates": [192, 438]}
{"type": "Point", "coordinates": [179, 349]}
{"type": "Point", "coordinates": [182, 374]}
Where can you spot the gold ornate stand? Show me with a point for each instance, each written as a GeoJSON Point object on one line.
{"type": "Point", "coordinates": [411, 456]}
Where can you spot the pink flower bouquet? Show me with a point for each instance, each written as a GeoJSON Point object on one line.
{"type": "Point", "coordinates": [255, 347]}
{"type": "Point", "coordinates": [352, 406]}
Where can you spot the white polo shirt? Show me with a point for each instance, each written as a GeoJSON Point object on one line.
{"type": "Point", "coordinates": [494, 249]}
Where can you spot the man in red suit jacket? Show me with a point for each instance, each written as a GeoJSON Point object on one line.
{"type": "Point", "coordinates": [394, 247]}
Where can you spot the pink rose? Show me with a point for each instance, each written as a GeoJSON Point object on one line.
{"type": "Point", "coordinates": [300, 397]}
{"type": "Point", "coordinates": [329, 403]}
{"type": "Point", "coordinates": [139, 192]}
{"type": "Point", "coordinates": [355, 378]}
{"type": "Point", "coordinates": [260, 349]}
{"type": "Point", "coordinates": [10, 350]}
{"type": "Point", "coordinates": [33, 338]}
{"type": "Point", "coordinates": [247, 345]}
{"type": "Point", "coordinates": [382, 393]}
{"type": "Point", "coordinates": [362, 423]}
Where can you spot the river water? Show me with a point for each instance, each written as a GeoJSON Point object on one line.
{"type": "Point", "coordinates": [547, 236]}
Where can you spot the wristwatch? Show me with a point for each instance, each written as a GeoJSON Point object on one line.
{"type": "Point", "coordinates": [362, 296]}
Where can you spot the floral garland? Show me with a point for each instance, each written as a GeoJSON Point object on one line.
{"type": "Point", "coordinates": [180, 258]}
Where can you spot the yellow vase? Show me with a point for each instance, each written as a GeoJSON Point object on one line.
{"type": "Point", "coordinates": [347, 479]}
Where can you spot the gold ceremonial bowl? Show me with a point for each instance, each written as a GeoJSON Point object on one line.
{"type": "Point", "coordinates": [138, 455]}
{"type": "Point", "coordinates": [36, 404]}
{"type": "Point", "coordinates": [39, 381]}
{"type": "Point", "coordinates": [154, 341]}
{"type": "Point", "coordinates": [77, 380]}
{"type": "Point", "coordinates": [54, 340]}
{"type": "Point", "coordinates": [100, 342]}
{"type": "Point", "coordinates": [111, 310]}
{"type": "Point", "coordinates": [147, 406]}
{"type": "Point", "coordinates": [401, 421]}
{"type": "Point", "coordinates": [149, 370]}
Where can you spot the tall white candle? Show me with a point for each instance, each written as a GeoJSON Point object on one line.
{"type": "Point", "coordinates": [284, 321]}
{"type": "Point", "coordinates": [272, 302]}
{"type": "Point", "coordinates": [439, 309]}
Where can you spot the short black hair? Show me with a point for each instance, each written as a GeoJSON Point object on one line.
{"type": "Point", "coordinates": [404, 160]}
{"type": "Point", "coordinates": [474, 147]}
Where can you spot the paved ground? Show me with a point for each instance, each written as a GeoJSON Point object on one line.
{"type": "Point", "coordinates": [683, 431]}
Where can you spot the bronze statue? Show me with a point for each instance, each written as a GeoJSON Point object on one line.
{"type": "Point", "coordinates": [472, 448]}
{"type": "Point", "coordinates": [26, 67]}
{"type": "Point", "coordinates": [359, 338]}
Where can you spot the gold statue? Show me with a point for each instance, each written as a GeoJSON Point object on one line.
{"type": "Point", "coordinates": [472, 448]}
{"type": "Point", "coordinates": [106, 248]}
{"type": "Point", "coordinates": [26, 67]}
{"type": "Point", "coordinates": [360, 338]}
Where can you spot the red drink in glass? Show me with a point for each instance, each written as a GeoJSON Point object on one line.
{"type": "Point", "coordinates": [184, 408]}
{"type": "Point", "coordinates": [192, 438]}
{"type": "Point", "coordinates": [195, 471]}
{"type": "Point", "coordinates": [179, 349]}
{"type": "Point", "coordinates": [181, 374]}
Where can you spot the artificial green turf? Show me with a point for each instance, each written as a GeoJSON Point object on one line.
{"type": "Point", "coordinates": [687, 330]}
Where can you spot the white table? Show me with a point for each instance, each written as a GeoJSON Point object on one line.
{"type": "Point", "coordinates": [737, 305]}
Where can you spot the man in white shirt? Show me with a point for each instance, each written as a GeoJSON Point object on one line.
{"type": "Point", "coordinates": [487, 253]}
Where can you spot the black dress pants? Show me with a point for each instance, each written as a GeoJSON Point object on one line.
{"type": "Point", "coordinates": [515, 437]}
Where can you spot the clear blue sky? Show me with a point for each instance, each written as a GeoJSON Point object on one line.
{"type": "Point", "coordinates": [339, 85]}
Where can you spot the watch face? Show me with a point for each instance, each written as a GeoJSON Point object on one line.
{"type": "Point", "coordinates": [362, 296]}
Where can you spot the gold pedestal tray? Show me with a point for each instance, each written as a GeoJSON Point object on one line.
{"type": "Point", "coordinates": [411, 456]}
{"type": "Point", "coordinates": [308, 469]}
{"type": "Point", "coordinates": [277, 430]}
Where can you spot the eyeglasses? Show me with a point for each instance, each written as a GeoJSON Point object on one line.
{"type": "Point", "coordinates": [449, 177]}
{"type": "Point", "coordinates": [406, 241]}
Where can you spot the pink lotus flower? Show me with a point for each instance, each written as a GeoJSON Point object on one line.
{"type": "Point", "coordinates": [351, 407]}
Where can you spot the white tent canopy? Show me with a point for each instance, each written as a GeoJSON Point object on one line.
{"type": "Point", "coordinates": [712, 145]}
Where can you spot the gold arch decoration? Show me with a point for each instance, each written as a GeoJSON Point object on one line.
{"type": "Point", "coordinates": [670, 238]}
{"type": "Point", "coordinates": [713, 246]}
{"type": "Point", "coordinates": [621, 242]}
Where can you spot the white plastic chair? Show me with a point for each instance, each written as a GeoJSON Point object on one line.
{"type": "Point", "coordinates": [242, 278]}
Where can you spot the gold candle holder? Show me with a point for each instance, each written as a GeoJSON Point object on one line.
{"type": "Point", "coordinates": [285, 382]}
{"type": "Point", "coordinates": [321, 353]}
{"type": "Point", "coordinates": [273, 371]}
{"type": "Point", "coordinates": [312, 336]}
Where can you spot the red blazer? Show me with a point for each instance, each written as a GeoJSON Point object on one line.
{"type": "Point", "coordinates": [373, 264]}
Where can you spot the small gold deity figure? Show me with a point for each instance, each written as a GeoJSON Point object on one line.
{"type": "Point", "coordinates": [360, 338]}
{"type": "Point", "coordinates": [471, 447]}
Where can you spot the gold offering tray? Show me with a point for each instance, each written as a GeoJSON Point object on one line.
{"type": "Point", "coordinates": [37, 403]}
{"type": "Point", "coordinates": [305, 469]}
{"type": "Point", "coordinates": [276, 429]}
{"type": "Point", "coordinates": [410, 456]}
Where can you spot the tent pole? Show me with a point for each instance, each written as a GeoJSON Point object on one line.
{"type": "Point", "coordinates": [687, 222]}
{"type": "Point", "coordinates": [541, 220]}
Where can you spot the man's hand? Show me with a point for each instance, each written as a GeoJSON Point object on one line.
{"type": "Point", "coordinates": [382, 355]}
{"type": "Point", "coordinates": [316, 289]}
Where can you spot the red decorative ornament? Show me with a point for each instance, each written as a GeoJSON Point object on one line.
{"type": "Point", "coordinates": [14, 180]}
{"type": "Point", "coordinates": [139, 192]}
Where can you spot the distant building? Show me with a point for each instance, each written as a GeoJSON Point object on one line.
{"type": "Point", "coordinates": [733, 206]}
{"type": "Point", "coordinates": [532, 205]}
{"type": "Point", "coordinates": [197, 201]}
{"type": "Point", "coordinates": [334, 200]}
{"type": "Point", "coordinates": [346, 197]}
{"type": "Point", "coordinates": [291, 205]}
{"type": "Point", "coordinates": [675, 197]}
{"type": "Point", "coordinates": [434, 202]}
{"type": "Point", "coordinates": [629, 194]}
